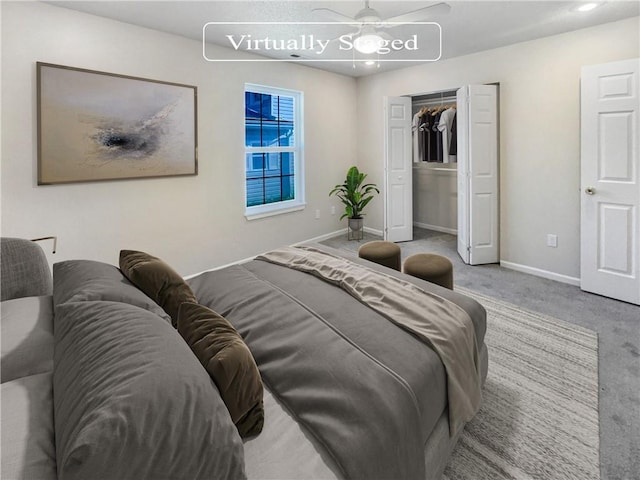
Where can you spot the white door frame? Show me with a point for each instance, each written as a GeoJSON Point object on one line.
{"type": "Point", "coordinates": [482, 241]}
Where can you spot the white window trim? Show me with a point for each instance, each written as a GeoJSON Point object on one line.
{"type": "Point", "coordinates": [288, 206]}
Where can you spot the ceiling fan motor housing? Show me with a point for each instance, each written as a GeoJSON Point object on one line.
{"type": "Point", "coordinates": [368, 15]}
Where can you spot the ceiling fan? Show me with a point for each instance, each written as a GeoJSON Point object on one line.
{"type": "Point", "coordinates": [370, 24]}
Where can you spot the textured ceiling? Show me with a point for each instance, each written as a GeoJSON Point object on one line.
{"type": "Point", "coordinates": [470, 26]}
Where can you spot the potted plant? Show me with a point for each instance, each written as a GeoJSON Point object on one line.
{"type": "Point", "coordinates": [355, 195]}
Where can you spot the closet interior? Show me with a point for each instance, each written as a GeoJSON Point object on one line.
{"type": "Point", "coordinates": [434, 150]}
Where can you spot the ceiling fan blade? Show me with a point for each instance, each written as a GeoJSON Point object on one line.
{"type": "Point", "coordinates": [419, 15]}
{"type": "Point", "coordinates": [332, 15]}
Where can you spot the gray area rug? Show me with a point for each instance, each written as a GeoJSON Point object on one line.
{"type": "Point", "coordinates": [539, 418]}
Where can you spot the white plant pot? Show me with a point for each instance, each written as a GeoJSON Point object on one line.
{"type": "Point", "coordinates": [356, 224]}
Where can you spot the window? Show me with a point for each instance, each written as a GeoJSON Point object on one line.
{"type": "Point", "coordinates": [274, 181]}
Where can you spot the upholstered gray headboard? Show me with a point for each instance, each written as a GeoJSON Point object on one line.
{"type": "Point", "coordinates": [25, 270]}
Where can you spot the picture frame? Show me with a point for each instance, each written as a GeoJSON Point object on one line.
{"type": "Point", "coordinates": [98, 126]}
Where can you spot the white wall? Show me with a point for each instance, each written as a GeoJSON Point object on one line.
{"type": "Point", "coordinates": [435, 198]}
{"type": "Point", "coordinates": [193, 223]}
{"type": "Point", "coordinates": [539, 132]}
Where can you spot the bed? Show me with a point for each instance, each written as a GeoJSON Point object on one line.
{"type": "Point", "coordinates": [256, 295]}
{"type": "Point", "coordinates": [349, 390]}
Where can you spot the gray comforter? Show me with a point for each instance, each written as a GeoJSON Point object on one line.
{"type": "Point", "coordinates": [369, 391]}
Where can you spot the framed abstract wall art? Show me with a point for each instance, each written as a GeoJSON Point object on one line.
{"type": "Point", "coordinates": [100, 126]}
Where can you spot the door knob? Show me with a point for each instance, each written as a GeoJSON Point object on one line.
{"type": "Point", "coordinates": [590, 190]}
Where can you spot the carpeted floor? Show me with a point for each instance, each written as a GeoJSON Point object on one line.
{"type": "Point", "coordinates": [539, 415]}
{"type": "Point", "coordinates": [616, 323]}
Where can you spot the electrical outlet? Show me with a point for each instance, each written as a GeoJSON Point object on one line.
{"type": "Point", "coordinates": [552, 240]}
{"type": "Point", "coordinates": [333, 209]}
{"type": "Point", "coordinates": [317, 214]}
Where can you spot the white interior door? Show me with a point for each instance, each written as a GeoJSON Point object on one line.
{"type": "Point", "coordinates": [398, 194]}
{"type": "Point", "coordinates": [610, 188]}
{"type": "Point", "coordinates": [478, 214]}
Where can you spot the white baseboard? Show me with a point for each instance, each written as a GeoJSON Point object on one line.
{"type": "Point", "coordinates": [373, 231]}
{"type": "Point", "coordinates": [436, 228]}
{"type": "Point", "coordinates": [541, 273]}
{"type": "Point", "coordinates": [342, 231]}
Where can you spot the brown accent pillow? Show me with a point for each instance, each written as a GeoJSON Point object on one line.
{"type": "Point", "coordinates": [158, 280]}
{"type": "Point", "coordinates": [226, 357]}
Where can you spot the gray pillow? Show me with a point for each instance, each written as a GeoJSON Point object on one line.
{"type": "Point", "coordinates": [80, 280]}
{"type": "Point", "coordinates": [132, 401]}
{"type": "Point", "coordinates": [24, 269]}
{"type": "Point", "coordinates": [27, 337]}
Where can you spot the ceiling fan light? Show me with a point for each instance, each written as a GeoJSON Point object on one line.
{"type": "Point", "coordinates": [368, 43]}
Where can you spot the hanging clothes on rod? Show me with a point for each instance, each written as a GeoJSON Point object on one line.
{"type": "Point", "coordinates": [445, 127]}
{"type": "Point", "coordinates": [433, 133]}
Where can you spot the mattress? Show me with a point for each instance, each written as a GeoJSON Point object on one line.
{"type": "Point", "coordinates": [257, 294]}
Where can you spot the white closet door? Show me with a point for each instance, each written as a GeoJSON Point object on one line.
{"type": "Point", "coordinates": [398, 218]}
{"type": "Point", "coordinates": [478, 217]}
{"type": "Point", "coordinates": [462, 126]}
{"type": "Point", "coordinates": [610, 217]}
